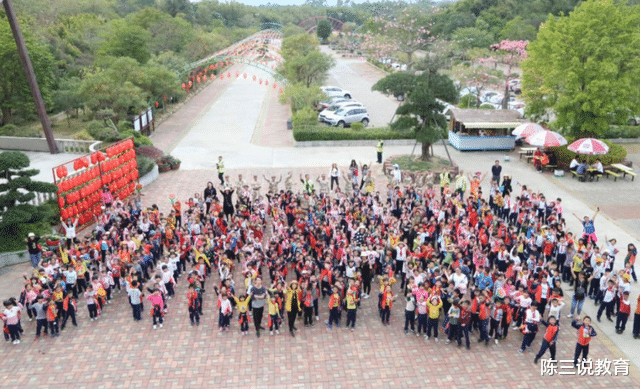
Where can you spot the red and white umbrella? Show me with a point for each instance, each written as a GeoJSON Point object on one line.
{"type": "Point", "coordinates": [589, 146]}
{"type": "Point", "coordinates": [526, 129]}
{"type": "Point", "coordinates": [546, 138]}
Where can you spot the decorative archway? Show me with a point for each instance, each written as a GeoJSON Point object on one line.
{"type": "Point", "coordinates": [311, 24]}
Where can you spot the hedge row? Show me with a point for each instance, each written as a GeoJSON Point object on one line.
{"type": "Point", "coordinates": [564, 157]}
{"type": "Point", "coordinates": [320, 133]}
{"type": "Point", "coordinates": [626, 132]}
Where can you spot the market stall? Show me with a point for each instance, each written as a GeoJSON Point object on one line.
{"type": "Point", "coordinates": [483, 129]}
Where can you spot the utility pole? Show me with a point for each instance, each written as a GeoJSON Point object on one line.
{"type": "Point", "coordinates": [31, 76]}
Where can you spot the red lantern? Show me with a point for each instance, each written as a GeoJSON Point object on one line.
{"type": "Point", "coordinates": [60, 202]}
{"type": "Point", "coordinates": [85, 162]}
{"type": "Point", "coordinates": [76, 165]}
{"type": "Point", "coordinates": [64, 213]}
{"type": "Point", "coordinates": [61, 172]}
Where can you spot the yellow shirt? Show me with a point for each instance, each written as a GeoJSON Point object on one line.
{"type": "Point", "coordinates": [274, 309]}
{"type": "Point", "coordinates": [243, 306]}
{"type": "Point", "coordinates": [434, 309]}
{"type": "Point", "coordinates": [351, 301]}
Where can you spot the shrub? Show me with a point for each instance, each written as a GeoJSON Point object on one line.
{"type": "Point", "coordinates": [101, 132]}
{"type": "Point", "coordinates": [305, 117]}
{"type": "Point", "coordinates": [151, 152]}
{"type": "Point", "coordinates": [627, 132]}
{"type": "Point", "coordinates": [145, 164]}
{"type": "Point", "coordinates": [138, 138]}
{"type": "Point", "coordinates": [82, 135]}
{"type": "Point", "coordinates": [357, 126]}
{"type": "Point", "coordinates": [487, 106]}
{"type": "Point", "coordinates": [468, 101]}
{"type": "Point", "coordinates": [564, 156]}
{"type": "Point", "coordinates": [320, 133]}
{"type": "Point", "coordinates": [26, 132]}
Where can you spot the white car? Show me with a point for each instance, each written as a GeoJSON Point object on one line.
{"type": "Point", "coordinates": [334, 91]}
{"type": "Point", "coordinates": [472, 90]}
{"type": "Point", "coordinates": [335, 100]}
{"type": "Point", "coordinates": [486, 96]}
{"type": "Point", "coordinates": [337, 107]}
{"type": "Point", "coordinates": [347, 116]}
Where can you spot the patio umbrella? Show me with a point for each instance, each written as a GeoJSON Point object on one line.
{"type": "Point", "coordinates": [589, 146]}
{"type": "Point", "coordinates": [546, 138]}
{"type": "Point", "coordinates": [526, 129]}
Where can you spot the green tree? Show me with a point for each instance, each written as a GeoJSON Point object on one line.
{"type": "Point", "coordinates": [15, 95]}
{"type": "Point", "coordinates": [113, 88]}
{"type": "Point", "coordinates": [518, 29]}
{"type": "Point", "coordinates": [67, 97]}
{"type": "Point", "coordinates": [585, 67]}
{"type": "Point", "coordinates": [18, 190]}
{"type": "Point", "coordinates": [324, 29]}
{"type": "Point", "coordinates": [421, 111]}
{"type": "Point", "coordinates": [304, 63]}
{"type": "Point", "coordinates": [127, 40]}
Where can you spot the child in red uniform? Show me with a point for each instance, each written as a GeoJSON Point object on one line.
{"type": "Point", "coordinates": [334, 308]}
{"type": "Point", "coordinates": [585, 334]}
{"type": "Point", "coordinates": [549, 341]}
{"type": "Point", "coordinates": [623, 313]}
{"type": "Point", "coordinates": [52, 319]}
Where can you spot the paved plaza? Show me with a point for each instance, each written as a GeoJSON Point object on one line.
{"type": "Point", "coordinates": [244, 122]}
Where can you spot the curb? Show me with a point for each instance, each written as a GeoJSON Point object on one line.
{"type": "Point", "coordinates": [353, 143]}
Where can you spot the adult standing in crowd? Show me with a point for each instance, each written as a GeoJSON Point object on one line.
{"type": "Point", "coordinates": [496, 170]}
{"type": "Point", "coordinates": [35, 251]}
{"type": "Point", "coordinates": [258, 295]}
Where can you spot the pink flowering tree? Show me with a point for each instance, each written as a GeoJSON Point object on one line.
{"type": "Point", "coordinates": [510, 54]}
{"type": "Point", "coordinates": [405, 34]}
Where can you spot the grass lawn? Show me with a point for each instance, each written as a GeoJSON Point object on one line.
{"type": "Point", "coordinates": [415, 164]}
{"type": "Point", "coordinates": [62, 129]}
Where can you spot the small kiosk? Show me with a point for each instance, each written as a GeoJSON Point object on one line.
{"type": "Point", "coordinates": [483, 129]}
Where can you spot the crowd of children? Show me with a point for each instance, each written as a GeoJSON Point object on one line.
{"type": "Point", "coordinates": [460, 263]}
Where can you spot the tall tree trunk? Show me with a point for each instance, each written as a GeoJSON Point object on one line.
{"type": "Point", "coordinates": [505, 100]}
{"type": "Point", "coordinates": [6, 115]}
{"type": "Point", "coordinates": [425, 156]}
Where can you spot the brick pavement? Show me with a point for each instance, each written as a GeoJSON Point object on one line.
{"type": "Point", "coordinates": [116, 352]}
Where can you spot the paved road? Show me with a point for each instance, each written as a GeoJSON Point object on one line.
{"type": "Point", "coordinates": [357, 76]}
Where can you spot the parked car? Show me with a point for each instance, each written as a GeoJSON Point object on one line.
{"type": "Point", "coordinates": [335, 100]}
{"type": "Point", "coordinates": [334, 91]}
{"type": "Point", "coordinates": [486, 96]}
{"type": "Point", "coordinates": [471, 90]}
{"type": "Point", "coordinates": [347, 116]}
{"type": "Point", "coordinates": [515, 86]}
{"type": "Point", "coordinates": [337, 107]}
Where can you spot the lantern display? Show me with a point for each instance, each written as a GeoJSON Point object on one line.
{"type": "Point", "coordinates": [61, 172]}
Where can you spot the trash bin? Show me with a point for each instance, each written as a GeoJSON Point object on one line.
{"type": "Point", "coordinates": [289, 125]}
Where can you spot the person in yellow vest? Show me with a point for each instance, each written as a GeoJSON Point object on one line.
{"type": "Point", "coordinates": [352, 307]}
{"type": "Point", "coordinates": [220, 169]}
{"type": "Point", "coordinates": [379, 147]}
{"type": "Point", "coordinates": [274, 315]}
{"type": "Point", "coordinates": [445, 180]}
{"type": "Point", "coordinates": [461, 183]}
{"type": "Point", "coordinates": [292, 300]}
{"type": "Point", "coordinates": [434, 304]}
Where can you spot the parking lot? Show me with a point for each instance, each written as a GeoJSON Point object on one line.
{"type": "Point", "coordinates": [357, 76]}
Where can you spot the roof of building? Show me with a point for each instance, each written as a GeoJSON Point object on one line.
{"type": "Point", "coordinates": [486, 118]}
